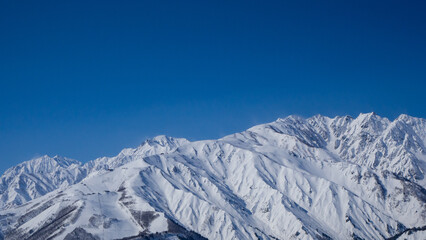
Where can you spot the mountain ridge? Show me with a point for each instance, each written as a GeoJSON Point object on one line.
{"type": "Point", "coordinates": [312, 178]}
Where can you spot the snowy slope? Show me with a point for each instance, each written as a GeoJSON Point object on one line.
{"type": "Point", "coordinates": [295, 178]}
{"type": "Point", "coordinates": [35, 178]}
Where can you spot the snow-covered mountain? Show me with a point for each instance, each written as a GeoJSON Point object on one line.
{"type": "Point", "coordinates": [35, 178]}
{"type": "Point", "coordinates": [295, 178]}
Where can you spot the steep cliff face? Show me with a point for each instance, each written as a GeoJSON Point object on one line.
{"type": "Point", "coordinates": [295, 178]}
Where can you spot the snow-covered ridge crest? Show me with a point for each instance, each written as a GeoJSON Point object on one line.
{"type": "Point", "coordinates": [41, 175]}
{"type": "Point", "coordinates": [294, 178]}
{"type": "Point", "coordinates": [369, 140]}
{"type": "Point", "coordinates": [157, 145]}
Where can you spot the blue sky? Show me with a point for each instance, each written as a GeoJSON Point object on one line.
{"type": "Point", "coordinates": [85, 79]}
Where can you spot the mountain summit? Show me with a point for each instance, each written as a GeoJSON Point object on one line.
{"type": "Point", "coordinates": [294, 178]}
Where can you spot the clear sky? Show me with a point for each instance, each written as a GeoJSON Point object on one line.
{"type": "Point", "coordinates": [84, 79]}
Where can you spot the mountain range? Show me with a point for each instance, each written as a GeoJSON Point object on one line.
{"type": "Point", "coordinates": [294, 178]}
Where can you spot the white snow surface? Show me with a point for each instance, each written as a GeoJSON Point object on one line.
{"type": "Point", "coordinates": [294, 178]}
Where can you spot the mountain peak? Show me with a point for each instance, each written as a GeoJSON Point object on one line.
{"type": "Point", "coordinates": [161, 138]}
{"type": "Point", "coordinates": [367, 115]}
{"type": "Point", "coordinates": [403, 117]}
{"type": "Point", "coordinates": [319, 117]}
{"type": "Point", "coordinates": [291, 118]}
{"type": "Point", "coordinates": [61, 161]}
{"type": "Point", "coordinates": [164, 140]}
